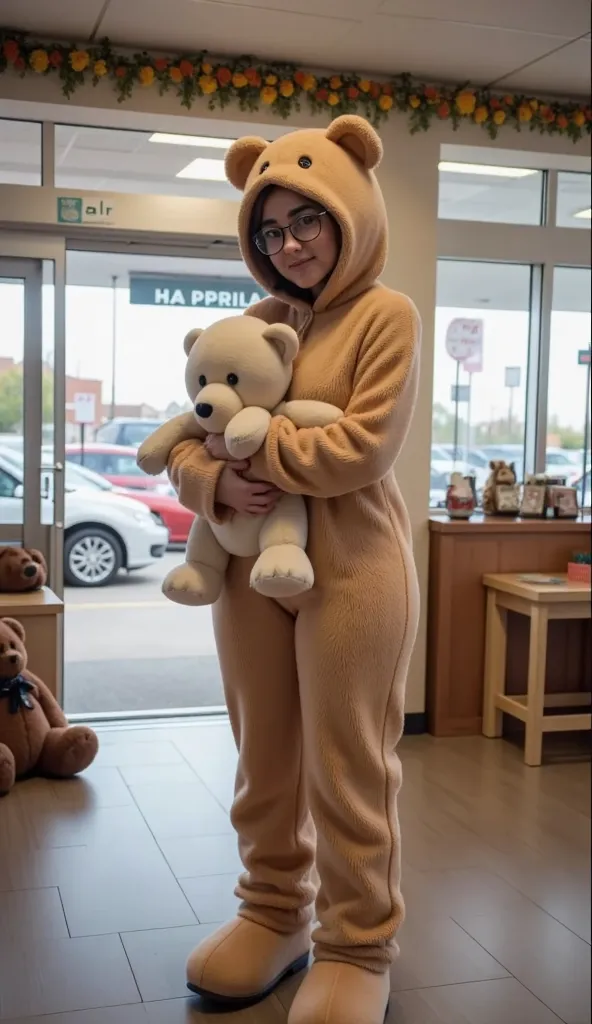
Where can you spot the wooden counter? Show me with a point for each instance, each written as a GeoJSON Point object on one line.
{"type": "Point", "coordinates": [39, 614]}
{"type": "Point", "coordinates": [461, 553]}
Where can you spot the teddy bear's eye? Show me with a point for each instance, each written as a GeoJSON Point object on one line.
{"type": "Point", "coordinates": [232, 379]}
{"type": "Point", "coordinates": [305, 162]}
{"type": "Point", "coordinates": [263, 167]}
{"type": "Point", "coordinates": [202, 381]}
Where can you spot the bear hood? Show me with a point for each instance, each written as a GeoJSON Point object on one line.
{"type": "Point", "coordinates": [341, 178]}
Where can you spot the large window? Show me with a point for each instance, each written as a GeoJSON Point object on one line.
{"type": "Point", "coordinates": [573, 200]}
{"type": "Point", "coordinates": [490, 193]}
{"type": "Point", "coordinates": [480, 376]}
{"type": "Point", "coordinates": [20, 152]}
{"type": "Point", "coordinates": [568, 430]}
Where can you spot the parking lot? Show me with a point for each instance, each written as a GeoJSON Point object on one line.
{"type": "Point", "coordinates": [129, 649]}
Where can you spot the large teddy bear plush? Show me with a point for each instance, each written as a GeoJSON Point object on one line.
{"type": "Point", "coordinates": [34, 732]}
{"type": "Point", "coordinates": [238, 371]}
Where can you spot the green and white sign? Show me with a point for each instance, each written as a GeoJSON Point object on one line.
{"type": "Point", "coordinates": [195, 292]}
{"type": "Point", "coordinates": [85, 210]}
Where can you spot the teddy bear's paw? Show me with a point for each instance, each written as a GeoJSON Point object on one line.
{"type": "Point", "coordinates": [282, 571]}
{"type": "Point", "coordinates": [7, 770]}
{"type": "Point", "coordinates": [80, 747]}
{"type": "Point", "coordinates": [193, 584]}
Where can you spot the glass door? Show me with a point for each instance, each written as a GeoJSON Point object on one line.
{"type": "Point", "coordinates": [31, 479]}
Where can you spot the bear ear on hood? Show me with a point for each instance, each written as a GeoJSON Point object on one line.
{"type": "Point", "coordinates": [358, 137]}
{"type": "Point", "coordinates": [241, 157]}
{"type": "Point", "coordinates": [190, 339]}
{"type": "Point", "coordinates": [285, 340]}
{"type": "Point", "coordinates": [16, 627]}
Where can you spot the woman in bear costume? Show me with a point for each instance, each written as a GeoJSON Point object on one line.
{"type": "Point", "coordinates": [315, 685]}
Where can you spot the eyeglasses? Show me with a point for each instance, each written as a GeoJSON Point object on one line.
{"type": "Point", "coordinates": [306, 228]}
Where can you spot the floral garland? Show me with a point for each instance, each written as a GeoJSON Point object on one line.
{"type": "Point", "coordinates": [282, 88]}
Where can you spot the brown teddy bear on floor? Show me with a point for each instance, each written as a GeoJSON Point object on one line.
{"type": "Point", "coordinates": [21, 570]}
{"type": "Point", "coordinates": [34, 732]}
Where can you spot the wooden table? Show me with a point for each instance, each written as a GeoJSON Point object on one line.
{"type": "Point", "coordinates": [540, 602]}
{"type": "Point", "coordinates": [39, 614]}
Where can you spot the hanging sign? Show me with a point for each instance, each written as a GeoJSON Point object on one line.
{"type": "Point", "coordinates": [513, 376]}
{"type": "Point", "coordinates": [85, 210]}
{"type": "Point", "coordinates": [84, 407]}
{"type": "Point", "coordinates": [196, 292]}
{"type": "Point", "coordinates": [464, 339]}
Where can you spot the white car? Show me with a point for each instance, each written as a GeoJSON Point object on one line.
{"type": "Point", "coordinates": [103, 532]}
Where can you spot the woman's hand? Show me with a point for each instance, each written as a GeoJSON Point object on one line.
{"type": "Point", "coordinates": [256, 499]}
{"type": "Point", "coordinates": [216, 445]}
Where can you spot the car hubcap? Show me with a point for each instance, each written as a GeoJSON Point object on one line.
{"type": "Point", "coordinates": [92, 559]}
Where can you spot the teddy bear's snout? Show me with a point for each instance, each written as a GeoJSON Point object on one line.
{"type": "Point", "coordinates": [204, 410]}
{"type": "Point", "coordinates": [30, 570]}
{"type": "Point", "coordinates": [216, 405]}
{"type": "Point", "coordinates": [9, 658]}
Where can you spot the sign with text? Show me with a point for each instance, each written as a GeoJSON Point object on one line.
{"type": "Point", "coordinates": [84, 407]}
{"type": "Point", "coordinates": [464, 338]}
{"type": "Point", "coordinates": [460, 393]}
{"type": "Point", "coordinates": [196, 292]}
{"type": "Point", "coordinates": [513, 376]}
{"type": "Point", "coordinates": [85, 210]}
{"type": "Point", "coordinates": [584, 357]}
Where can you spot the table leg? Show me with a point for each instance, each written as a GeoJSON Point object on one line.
{"type": "Point", "coordinates": [495, 665]}
{"type": "Point", "coordinates": [537, 669]}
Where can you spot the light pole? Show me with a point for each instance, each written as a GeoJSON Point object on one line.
{"type": "Point", "coordinates": [113, 344]}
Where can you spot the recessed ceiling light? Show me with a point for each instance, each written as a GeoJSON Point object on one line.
{"type": "Point", "coordinates": [584, 214]}
{"type": "Point", "coordinates": [490, 170]}
{"type": "Point", "coordinates": [191, 140]}
{"type": "Point", "coordinates": [206, 170]}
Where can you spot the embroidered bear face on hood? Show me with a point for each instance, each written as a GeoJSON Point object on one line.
{"type": "Point", "coordinates": [335, 169]}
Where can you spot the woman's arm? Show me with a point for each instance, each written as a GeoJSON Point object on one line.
{"type": "Point", "coordinates": [324, 462]}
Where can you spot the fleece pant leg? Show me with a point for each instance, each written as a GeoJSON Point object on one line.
{"type": "Point", "coordinates": [354, 642]}
{"type": "Point", "coordinates": [255, 640]}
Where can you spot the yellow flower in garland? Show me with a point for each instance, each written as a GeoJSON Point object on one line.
{"type": "Point", "coordinates": [364, 85]}
{"type": "Point", "coordinates": [385, 103]}
{"type": "Point", "coordinates": [481, 114]}
{"type": "Point", "coordinates": [208, 84]}
{"type": "Point", "coordinates": [79, 60]}
{"type": "Point", "coordinates": [39, 61]}
{"type": "Point", "coordinates": [333, 99]}
{"type": "Point", "coordinates": [579, 118]}
{"type": "Point", "coordinates": [239, 80]}
{"type": "Point", "coordinates": [100, 68]}
{"type": "Point", "coordinates": [309, 83]}
{"type": "Point", "coordinates": [466, 102]}
{"type": "Point", "coordinates": [534, 105]}
{"type": "Point", "coordinates": [525, 113]}
{"type": "Point", "coordinates": [271, 80]}
{"type": "Point", "coordinates": [499, 117]}
{"type": "Point", "coordinates": [175, 75]}
{"type": "Point", "coordinates": [286, 88]}
{"type": "Point", "coordinates": [269, 94]}
{"type": "Point", "coordinates": [414, 102]}
{"type": "Point", "coordinates": [146, 75]}
{"type": "Point", "coordinates": [335, 82]}
{"type": "Point", "coordinates": [207, 68]}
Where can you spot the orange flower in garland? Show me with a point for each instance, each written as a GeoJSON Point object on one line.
{"type": "Point", "coordinates": [386, 103]}
{"type": "Point", "coordinates": [466, 102]}
{"type": "Point", "coordinates": [186, 68]}
{"type": "Point", "coordinates": [562, 121]}
{"type": "Point", "coordinates": [364, 85]}
{"type": "Point", "coordinates": [253, 77]}
{"type": "Point", "coordinates": [333, 99]}
{"type": "Point", "coordinates": [55, 59]}
{"type": "Point", "coordinates": [146, 75]}
{"type": "Point", "coordinates": [579, 118]}
{"type": "Point", "coordinates": [481, 115]}
{"type": "Point", "coordinates": [271, 80]}
{"type": "Point", "coordinates": [11, 50]}
{"type": "Point", "coordinates": [431, 94]}
{"type": "Point", "coordinates": [208, 84]}
{"type": "Point", "coordinates": [269, 95]}
{"type": "Point", "coordinates": [224, 76]}
{"type": "Point", "coordinates": [79, 60]}
{"type": "Point", "coordinates": [525, 113]}
{"type": "Point", "coordinates": [239, 80]}
{"type": "Point", "coordinates": [39, 61]}
{"type": "Point", "coordinates": [161, 64]}
{"type": "Point", "coordinates": [444, 110]}
{"type": "Point", "coordinates": [287, 88]}
{"type": "Point", "coordinates": [335, 82]}
{"type": "Point", "coordinates": [175, 75]}
{"type": "Point", "coordinates": [353, 92]}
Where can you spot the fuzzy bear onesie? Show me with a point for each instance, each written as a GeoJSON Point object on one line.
{"type": "Point", "coordinates": [315, 685]}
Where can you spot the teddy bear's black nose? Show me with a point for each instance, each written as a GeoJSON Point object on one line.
{"type": "Point", "coordinates": [203, 410]}
{"type": "Point", "coordinates": [30, 570]}
{"type": "Point", "coordinates": [13, 659]}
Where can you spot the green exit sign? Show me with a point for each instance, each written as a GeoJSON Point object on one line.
{"type": "Point", "coordinates": [584, 357]}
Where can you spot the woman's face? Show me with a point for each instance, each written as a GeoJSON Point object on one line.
{"type": "Point", "coordinates": [304, 261]}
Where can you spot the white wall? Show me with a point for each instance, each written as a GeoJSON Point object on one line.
{"type": "Point", "coordinates": [409, 178]}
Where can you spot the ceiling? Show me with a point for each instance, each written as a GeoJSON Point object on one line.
{"type": "Point", "coordinates": [533, 45]}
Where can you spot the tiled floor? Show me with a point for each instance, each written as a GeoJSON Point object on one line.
{"type": "Point", "coordinates": [107, 882]}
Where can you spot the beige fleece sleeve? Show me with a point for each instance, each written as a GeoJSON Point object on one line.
{"type": "Point", "coordinates": [324, 462]}
{"type": "Point", "coordinates": [194, 474]}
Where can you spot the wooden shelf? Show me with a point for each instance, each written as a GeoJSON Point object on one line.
{"type": "Point", "coordinates": [38, 602]}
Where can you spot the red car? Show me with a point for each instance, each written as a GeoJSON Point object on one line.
{"type": "Point", "coordinates": [117, 464]}
{"type": "Point", "coordinates": [178, 520]}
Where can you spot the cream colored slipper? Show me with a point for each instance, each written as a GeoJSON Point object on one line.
{"type": "Point", "coordinates": [337, 993]}
{"type": "Point", "coordinates": [244, 962]}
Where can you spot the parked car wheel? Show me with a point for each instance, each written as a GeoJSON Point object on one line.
{"type": "Point", "coordinates": [92, 557]}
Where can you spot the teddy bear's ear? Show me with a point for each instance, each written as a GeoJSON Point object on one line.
{"type": "Point", "coordinates": [190, 339]}
{"type": "Point", "coordinates": [358, 137]}
{"type": "Point", "coordinates": [16, 627]}
{"type": "Point", "coordinates": [285, 340]}
{"type": "Point", "coordinates": [240, 159]}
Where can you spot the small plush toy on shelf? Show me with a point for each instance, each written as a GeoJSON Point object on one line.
{"type": "Point", "coordinates": [34, 732]}
{"type": "Point", "coordinates": [501, 495]}
{"type": "Point", "coordinates": [21, 570]}
{"type": "Point", "coordinates": [460, 497]}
